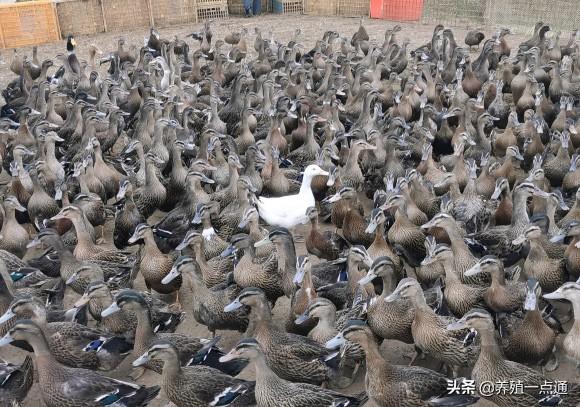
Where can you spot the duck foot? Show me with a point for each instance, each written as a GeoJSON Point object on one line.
{"type": "Point", "coordinates": [417, 353]}
{"type": "Point", "coordinates": [551, 364]}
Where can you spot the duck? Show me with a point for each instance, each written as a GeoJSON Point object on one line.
{"type": "Point", "coordinates": [98, 296]}
{"type": "Point", "coordinates": [345, 200]}
{"type": "Point", "coordinates": [389, 385]}
{"type": "Point", "coordinates": [91, 388]}
{"type": "Point", "coordinates": [208, 303]}
{"type": "Point", "coordinates": [474, 38]}
{"type": "Point", "coordinates": [213, 243]}
{"type": "Point", "coordinates": [290, 210]}
{"type": "Point", "coordinates": [272, 390]}
{"type": "Point", "coordinates": [503, 212]}
{"type": "Point", "coordinates": [353, 223]}
{"type": "Point", "coordinates": [328, 326]}
{"type": "Point", "coordinates": [502, 296]}
{"type": "Point", "coordinates": [324, 245]}
{"type": "Point", "coordinates": [127, 215]}
{"type": "Point", "coordinates": [196, 386]}
{"type": "Point", "coordinates": [551, 273]}
{"type": "Point", "coordinates": [430, 331]}
{"type": "Point", "coordinates": [491, 365]}
{"type": "Point", "coordinates": [153, 264]}
{"type": "Point", "coordinates": [292, 357]}
{"type": "Point", "coordinates": [459, 297]}
{"type": "Point", "coordinates": [569, 291]}
{"type": "Point", "coordinates": [404, 235]}
{"type": "Point", "coordinates": [393, 319]}
{"type": "Point", "coordinates": [380, 246]}
{"type": "Point", "coordinates": [71, 343]}
{"type": "Point", "coordinates": [251, 271]}
{"type": "Point", "coordinates": [16, 380]}
{"type": "Point", "coordinates": [14, 236]}
{"type": "Point", "coordinates": [187, 346]}
{"type": "Point", "coordinates": [519, 344]}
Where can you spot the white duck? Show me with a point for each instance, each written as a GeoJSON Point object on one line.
{"type": "Point", "coordinates": [289, 211]}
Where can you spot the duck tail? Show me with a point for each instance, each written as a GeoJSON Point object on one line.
{"type": "Point", "coordinates": [141, 397]}
{"type": "Point", "coordinates": [210, 354]}
{"type": "Point", "coordinates": [232, 393]}
{"type": "Point", "coordinates": [459, 400]}
{"type": "Point", "coordinates": [168, 321]}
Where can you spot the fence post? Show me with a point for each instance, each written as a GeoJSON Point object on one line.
{"type": "Point", "coordinates": [151, 19]}
{"type": "Point", "coordinates": [103, 14]}
{"type": "Point", "coordinates": [57, 21]}
{"type": "Point", "coordinates": [2, 37]}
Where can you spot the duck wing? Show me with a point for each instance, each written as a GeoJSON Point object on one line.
{"type": "Point", "coordinates": [86, 385]}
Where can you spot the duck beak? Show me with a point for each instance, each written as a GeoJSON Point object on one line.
{"type": "Point", "coordinates": [243, 223]}
{"type": "Point", "coordinates": [8, 315]}
{"type": "Point", "coordinates": [427, 226]}
{"type": "Point", "coordinates": [556, 295]}
{"type": "Point", "coordinates": [302, 318]}
{"type": "Point", "coordinates": [519, 157]}
{"type": "Point", "coordinates": [143, 359]}
{"type": "Point", "coordinates": [72, 279]}
{"type": "Point", "coordinates": [58, 216]}
{"type": "Point", "coordinates": [34, 243]}
{"type": "Point", "coordinates": [557, 238]}
{"type": "Point", "coordinates": [530, 301]}
{"type": "Point", "coordinates": [110, 310]}
{"type": "Point", "coordinates": [427, 261]}
{"type": "Point", "coordinates": [172, 275]}
{"type": "Point", "coordinates": [184, 243]}
{"type": "Point", "coordinates": [335, 342]}
{"type": "Point", "coordinates": [475, 269]}
{"type": "Point", "coordinates": [196, 219]}
{"type": "Point", "coordinates": [299, 276]}
{"type": "Point", "coordinates": [368, 278]}
{"type": "Point", "coordinates": [122, 192]}
{"type": "Point", "coordinates": [334, 198]}
{"type": "Point", "coordinates": [371, 227]}
{"type": "Point", "coordinates": [227, 357]}
{"type": "Point", "coordinates": [496, 194]}
{"type": "Point", "coordinates": [456, 326]}
{"type": "Point", "coordinates": [540, 193]}
{"type": "Point", "coordinates": [228, 251]}
{"type": "Point", "coordinates": [232, 306]}
{"type": "Point", "coordinates": [133, 238]}
{"type": "Point", "coordinates": [6, 340]}
{"type": "Point", "coordinates": [21, 208]}
{"type": "Point", "coordinates": [262, 242]}
{"type": "Point", "coordinates": [330, 181]}
{"type": "Point", "coordinates": [82, 301]}
{"type": "Point", "coordinates": [58, 194]}
{"type": "Point", "coordinates": [393, 296]}
{"type": "Point", "coordinates": [518, 241]}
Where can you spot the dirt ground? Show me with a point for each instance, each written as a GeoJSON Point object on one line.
{"type": "Point", "coordinates": [283, 28]}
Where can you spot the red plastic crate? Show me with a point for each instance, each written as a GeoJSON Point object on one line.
{"type": "Point", "coordinates": [398, 10]}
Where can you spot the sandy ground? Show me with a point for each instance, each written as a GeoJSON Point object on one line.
{"type": "Point", "coordinates": [283, 28]}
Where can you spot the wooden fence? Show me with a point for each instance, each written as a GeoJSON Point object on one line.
{"type": "Point", "coordinates": [37, 22]}
{"type": "Point", "coordinates": [25, 24]}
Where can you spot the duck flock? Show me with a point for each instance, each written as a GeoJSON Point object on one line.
{"type": "Point", "coordinates": [434, 191]}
